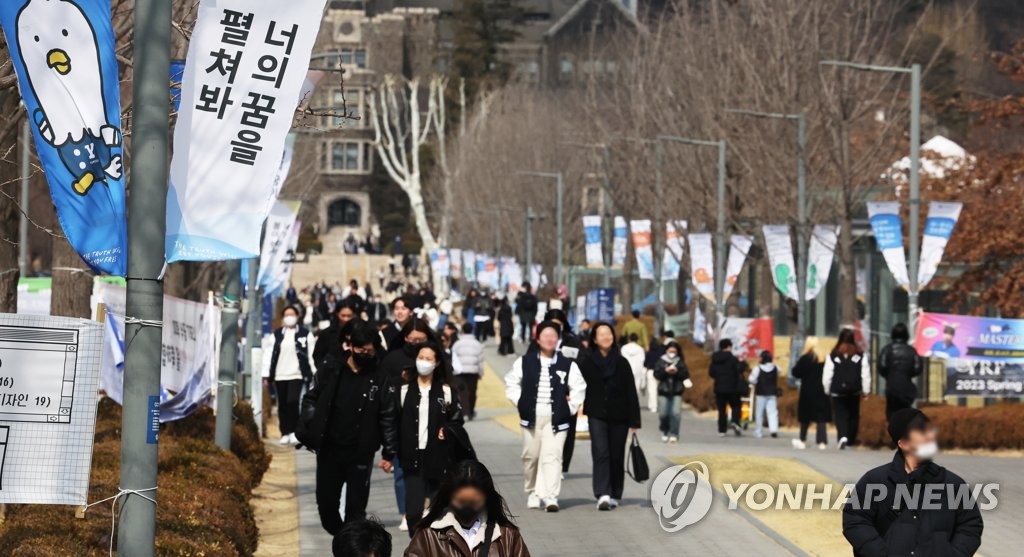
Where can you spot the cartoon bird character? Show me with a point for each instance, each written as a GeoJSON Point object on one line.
{"type": "Point", "coordinates": [61, 58]}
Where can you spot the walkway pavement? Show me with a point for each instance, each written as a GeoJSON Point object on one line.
{"type": "Point", "coordinates": [633, 529]}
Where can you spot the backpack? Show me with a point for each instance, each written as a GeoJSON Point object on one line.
{"type": "Point", "coordinates": [528, 304]}
{"type": "Point", "coordinates": [846, 379]}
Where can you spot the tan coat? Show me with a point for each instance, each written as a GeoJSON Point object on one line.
{"type": "Point", "coordinates": [443, 539]}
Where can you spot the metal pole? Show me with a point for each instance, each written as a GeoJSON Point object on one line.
{"type": "Point", "coordinates": [658, 234]}
{"type": "Point", "coordinates": [560, 232]}
{"type": "Point", "coordinates": [228, 371]}
{"type": "Point", "coordinates": [801, 236]}
{"type": "Point", "coordinates": [720, 238]}
{"type": "Point", "coordinates": [529, 243]}
{"type": "Point", "coordinates": [915, 191]}
{"type": "Point", "coordinates": [26, 139]}
{"type": "Point", "coordinates": [252, 341]}
{"type": "Point", "coordinates": [144, 308]}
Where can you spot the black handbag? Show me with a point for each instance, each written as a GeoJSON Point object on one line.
{"type": "Point", "coordinates": [637, 467]}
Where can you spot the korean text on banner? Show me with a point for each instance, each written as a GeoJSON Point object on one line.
{"type": "Point", "coordinates": [247, 62]}
{"type": "Point", "coordinates": [619, 243]}
{"type": "Point", "coordinates": [938, 228]}
{"type": "Point", "coordinates": [885, 223]}
{"type": "Point", "coordinates": [672, 258]}
{"type": "Point", "coordinates": [63, 54]}
{"type": "Point", "coordinates": [983, 355]}
{"type": "Point", "coordinates": [819, 258]}
{"type": "Point", "coordinates": [702, 265]}
{"type": "Point", "coordinates": [739, 247]}
{"type": "Point", "coordinates": [641, 230]}
{"type": "Point", "coordinates": [51, 369]}
{"type": "Point", "coordinates": [780, 256]}
{"type": "Point", "coordinates": [592, 232]}
{"type": "Point", "coordinates": [275, 240]}
{"type": "Point", "coordinates": [283, 270]}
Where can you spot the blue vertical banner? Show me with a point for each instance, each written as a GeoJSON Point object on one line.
{"type": "Point", "coordinates": [592, 231]}
{"type": "Point", "coordinates": [63, 54]}
{"type": "Point", "coordinates": [177, 76]}
{"type": "Point", "coordinates": [888, 230]}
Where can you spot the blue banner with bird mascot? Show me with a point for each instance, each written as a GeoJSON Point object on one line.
{"type": "Point", "coordinates": [63, 53]}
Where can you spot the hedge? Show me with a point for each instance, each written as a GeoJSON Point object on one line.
{"type": "Point", "coordinates": [203, 495]}
{"type": "Point", "coordinates": [992, 427]}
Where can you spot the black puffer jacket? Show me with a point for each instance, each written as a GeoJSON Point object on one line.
{"type": "Point", "coordinates": [727, 371]}
{"type": "Point", "coordinates": [445, 412]}
{"type": "Point", "coordinates": [899, 364]}
{"type": "Point", "coordinates": [883, 530]}
{"type": "Point", "coordinates": [671, 384]}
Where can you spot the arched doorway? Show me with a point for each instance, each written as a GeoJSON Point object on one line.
{"type": "Point", "coordinates": [344, 212]}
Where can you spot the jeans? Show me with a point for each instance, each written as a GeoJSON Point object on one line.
{"type": "Point", "coordinates": [770, 404]}
{"type": "Point", "coordinates": [399, 485]}
{"type": "Point", "coordinates": [725, 402]}
{"type": "Point", "coordinates": [846, 409]}
{"type": "Point", "coordinates": [608, 448]}
{"type": "Point", "coordinates": [669, 414]}
{"type": "Point", "coordinates": [337, 468]}
{"type": "Point", "coordinates": [526, 327]}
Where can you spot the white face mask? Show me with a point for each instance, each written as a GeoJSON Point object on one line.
{"type": "Point", "coordinates": [424, 367]}
{"type": "Point", "coordinates": [290, 320]}
{"type": "Point", "coordinates": [927, 451]}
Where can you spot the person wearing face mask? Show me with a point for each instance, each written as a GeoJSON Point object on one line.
{"type": "Point", "coordinates": [877, 524]}
{"type": "Point", "coordinates": [349, 414]}
{"type": "Point", "coordinates": [548, 389]}
{"type": "Point", "coordinates": [291, 365]}
{"type": "Point", "coordinates": [468, 518]}
{"type": "Point", "coordinates": [427, 410]}
{"type": "Point", "coordinates": [673, 378]}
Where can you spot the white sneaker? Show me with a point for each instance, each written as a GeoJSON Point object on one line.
{"type": "Point", "coordinates": [672, 439]}
{"type": "Point", "coordinates": [842, 443]}
{"type": "Point", "coordinates": [532, 501]}
{"type": "Point", "coordinates": [614, 503]}
{"type": "Point", "coordinates": [798, 444]}
{"type": "Point", "coordinates": [404, 525]}
{"type": "Point", "coordinates": [664, 438]}
{"type": "Point", "coordinates": [604, 503]}
{"type": "Point", "coordinates": [285, 440]}
{"type": "Point", "coordinates": [293, 439]}
{"type": "Point", "coordinates": [822, 446]}
{"type": "Point", "coordinates": [551, 505]}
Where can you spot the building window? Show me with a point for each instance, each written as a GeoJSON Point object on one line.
{"type": "Point", "coordinates": [346, 109]}
{"type": "Point", "coordinates": [566, 66]}
{"type": "Point", "coordinates": [347, 56]}
{"type": "Point", "coordinates": [344, 212]}
{"type": "Point", "coordinates": [346, 157]}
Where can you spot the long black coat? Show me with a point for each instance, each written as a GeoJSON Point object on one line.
{"type": "Point", "coordinates": [880, 530]}
{"type": "Point", "coordinates": [814, 405]}
{"type": "Point", "coordinates": [613, 399]}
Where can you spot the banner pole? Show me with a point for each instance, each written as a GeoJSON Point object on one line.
{"type": "Point", "coordinates": [228, 371]}
{"type": "Point", "coordinates": [252, 341]}
{"type": "Point", "coordinates": [144, 304]}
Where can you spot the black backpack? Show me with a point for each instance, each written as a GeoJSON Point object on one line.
{"type": "Point", "coordinates": [846, 379]}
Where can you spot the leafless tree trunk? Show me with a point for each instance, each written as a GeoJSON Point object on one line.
{"type": "Point", "coordinates": [72, 282]}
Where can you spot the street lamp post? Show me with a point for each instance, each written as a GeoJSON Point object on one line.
{"type": "Point", "coordinates": [530, 217]}
{"type": "Point", "coordinates": [608, 219]}
{"type": "Point", "coordinates": [915, 170]}
{"type": "Point", "coordinates": [801, 208]}
{"type": "Point", "coordinates": [560, 183]}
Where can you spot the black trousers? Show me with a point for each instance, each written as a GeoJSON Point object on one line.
{"type": "Point", "coordinates": [288, 400]}
{"type": "Point", "coordinates": [846, 410]}
{"type": "Point", "coordinates": [608, 448]}
{"type": "Point", "coordinates": [337, 467]}
{"type": "Point", "coordinates": [505, 347]}
{"type": "Point", "coordinates": [570, 445]}
{"type": "Point", "coordinates": [725, 402]}
{"type": "Point", "coordinates": [465, 385]}
{"type": "Point", "coordinates": [894, 403]}
{"type": "Point", "coordinates": [526, 327]}
{"type": "Point", "coordinates": [820, 435]}
{"type": "Point", "coordinates": [417, 489]}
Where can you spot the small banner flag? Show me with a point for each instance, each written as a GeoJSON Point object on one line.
{"type": "Point", "coordinates": [702, 265]}
{"type": "Point", "coordinates": [673, 256]}
{"type": "Point", "coordinates": [642, 247]}
{"type": "Point", "coordinates": [938, 228]}
{"type": "Point", "coordinates": [739, 247]}
{"type": "Point", "coordinates": [780, 256]}
{"type": "Point", "coordinates": [619, 240]}
{"type": "Point", "coordinates": [819, 258]}
{"type": "Point", "coordinates": [592, 231]}
{"type": "Point", "coordinates": [885, 223]}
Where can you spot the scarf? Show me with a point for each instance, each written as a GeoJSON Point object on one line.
{"type": "Point", "coordinates": [606, 364]}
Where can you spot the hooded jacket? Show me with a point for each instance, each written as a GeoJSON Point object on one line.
{"type": "Point", "coordinates": [727, 372]}
{"type": "Point", "coordinates": [899, 364]}
{"type": "Point", "coordinates": [671, 384]}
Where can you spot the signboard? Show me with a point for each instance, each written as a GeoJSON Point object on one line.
{"type": "Point", "coordinates": [749, 336]}
{"type": "Point", "coordinates": [601, 305]}
{"type": "Point", "coordinates": [49, 376]}
{"type": "Point", "coordinates": [984, 355]}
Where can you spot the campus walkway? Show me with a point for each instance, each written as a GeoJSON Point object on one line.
{"type": "Point", "coordinates": [580, 530]}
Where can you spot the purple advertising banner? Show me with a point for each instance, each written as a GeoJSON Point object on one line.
{"type": "Point", "coordinates": [984, 355]}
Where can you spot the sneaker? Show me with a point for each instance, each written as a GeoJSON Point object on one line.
{"type": "Point", "coordinates": [604, 503]}
{"type": "Point", "coordinates": [664, 438]}
{"type": "Point", "coordinates": [673, 439]}
{"type": "Point", "coordinates": [721, 434]}
{"type": "Point", "coordinates": [736, 429]}
{"type": "Point", "coordinates": [551, 505]}
{"type": "Point", "coordinates": [533, 502]}
{"type": "Point", "coordinates": [775, 435]}
{"type": "Point", "coordinates": [285, 440]}
{"type": "Point", "coordinates": [798, 444]}
{"type": "Point", "coordinates": [758, 434]}
{"type": "Point", "coordinates": [842, 443]}
{"type": "Point", "coordinates": [404, 525]}
{"type": "Point", "coordinates": [294, 439]}
{"type": "Point", "coordinates": [614, 503]}
{"type": "Point", "coordinates": [822, 446]}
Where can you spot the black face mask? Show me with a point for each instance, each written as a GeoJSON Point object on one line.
{"type": "Point", "coordinates": [411, 349]}
{"type": "Point", "coordinates": [365, 361]}
{"type": "Point", "coordinates": [466, 515]}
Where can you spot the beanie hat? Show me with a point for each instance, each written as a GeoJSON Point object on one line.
{"type": "Point", "coordinates": [901, 421]}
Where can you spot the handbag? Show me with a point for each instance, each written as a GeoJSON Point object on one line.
{"type": "Point", "coordinates": [637, 467]}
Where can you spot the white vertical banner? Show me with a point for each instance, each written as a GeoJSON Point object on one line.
{"type": "Point", "coordinates": [822, 249]}
{"type": "Point", "coordinates": [673, 256]}
{"type": "Point", "coordinates": [455, 254]}
{"type": "Point", "coordinates": [641, 230]}
{"type": "Point", "coordinates": [283, 170]}
{"type": "Point", "coordinates": [247, 62]}
{"type": "Point", "coordinates": [779, 246]}
{"type": "Point", "coordinates": [592, 231]}
{"type": "Point", "coordinates": [469, 265]}
{"type": "Point", "coordinates": [886, 224]}
{"type": "Point", "coordinates": [283, 269]}
{"type": "Point", "coordinates": [440, 265]}
{"type": "Point", "coordinates": [619, 240]}
{"type": "Point", "coordinates": [275, 240]}
{"type": "Point", "coordinates": [537, 278]}
{"type": "Point", "coordinates": [702, 265]}
{"type": "Point", "coordinates": [739, 247]}
{"type": "Point", "coordinates": [938, 228]}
